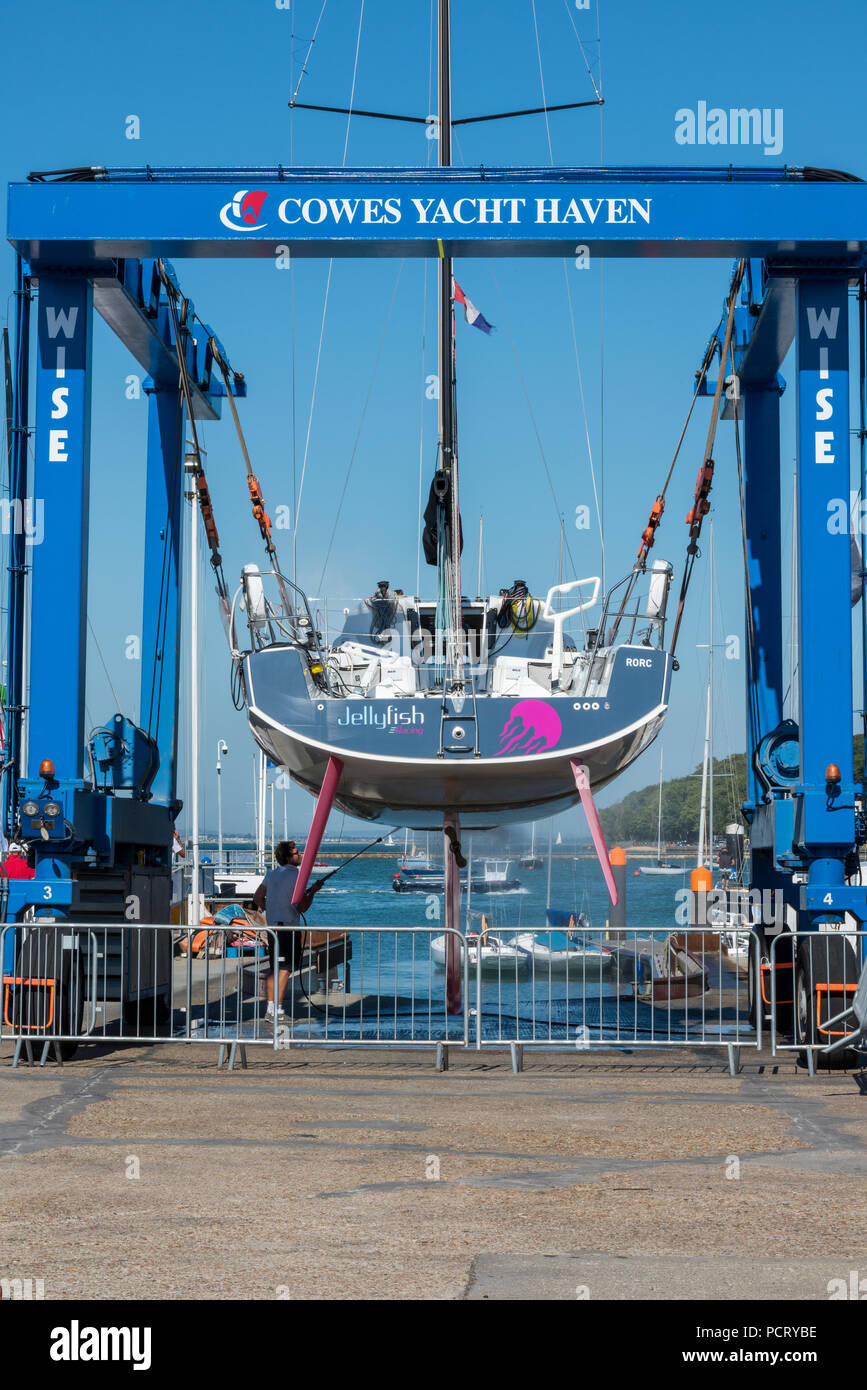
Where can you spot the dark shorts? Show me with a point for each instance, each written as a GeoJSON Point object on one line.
{"type": "Point", "coordinates": [288, 946]}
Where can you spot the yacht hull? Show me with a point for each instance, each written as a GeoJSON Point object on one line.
{"type": "Point", "coordinates": [401, 761]}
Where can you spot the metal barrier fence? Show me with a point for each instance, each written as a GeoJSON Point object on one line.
{"type": "Point", "coordinates": [64, 984]}
{"type": "Point", "coordinates": [374, 987]}
{"type": "Point", "coordinates": [808, 978]}
{"type": "Point", "coordinates": [630, 989]}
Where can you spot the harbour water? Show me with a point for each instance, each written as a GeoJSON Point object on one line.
{"type": "Point", "coordinates": [404, 991]}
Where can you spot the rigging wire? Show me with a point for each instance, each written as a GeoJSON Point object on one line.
{"type": "Point", "coordinates": [569, 288]}
{"type": "Point", "coordinates": [421, 432]}
{"type": "Point", "coordinates": [542, 82]}
{"type": "Point", "coordinates": [584, 415]}
{"type": "Point", "coordinates": [752, 712]}
{"type": "Point", "coordinates": [303, 71]}
{"type": "Point", "coordinates": [533, 420]}
{"type": "Point", "coordinates": [117, 703]}
{"type": "Point", "coordinates": [596, 89]}
{"type": "Point", "coordinates": [324, 314]}
{"type": "Point", "coordinates": [357, 439]}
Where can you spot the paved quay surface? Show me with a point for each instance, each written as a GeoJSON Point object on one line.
{"type": "Point", "coordinates": [365, 1175]}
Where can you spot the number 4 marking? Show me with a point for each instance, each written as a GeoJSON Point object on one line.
{"type": "Point", "coordinates": [828, 899]}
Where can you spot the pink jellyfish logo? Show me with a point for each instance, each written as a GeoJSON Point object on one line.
{"type": "Point", "coordinates": [532, 726]}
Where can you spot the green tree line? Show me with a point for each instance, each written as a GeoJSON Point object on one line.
{"type": "Point", "coordinates": [634, 818]}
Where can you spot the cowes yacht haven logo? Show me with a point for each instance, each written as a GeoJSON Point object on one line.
{"type": "Point", "coordinates": [242, 213]}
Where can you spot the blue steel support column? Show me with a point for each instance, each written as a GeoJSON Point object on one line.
{"type": "Point", "coordinates": [764, 672]}
{"type": "Point", "coordinates": [58, 609]}
{"type": "Point", "coordinates": [162, 590]}
{"type": "Point", "coordinates": [825, 823]}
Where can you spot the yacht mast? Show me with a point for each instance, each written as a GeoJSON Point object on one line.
{"type": "Point", "coordinates": [449, 548]}
{"type": "Point", "coordinates": [705, 822]}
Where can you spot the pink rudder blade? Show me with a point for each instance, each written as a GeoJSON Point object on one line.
{"type": "Point", "coordinates": [582, 782]}
{"type": "Point", "coordinates": [324, 803]}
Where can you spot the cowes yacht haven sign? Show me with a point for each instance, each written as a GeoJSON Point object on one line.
{"type": "Point", "coordinates": [247, 211]}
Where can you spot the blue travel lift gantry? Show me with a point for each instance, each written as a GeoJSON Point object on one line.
{"type": "Point", "coordinates": [98, 808]}
{"type": "Point", "coordinates": [803, 235]}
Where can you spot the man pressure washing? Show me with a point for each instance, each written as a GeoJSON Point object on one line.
{"type": "Point", "coordinates": [274, 898]}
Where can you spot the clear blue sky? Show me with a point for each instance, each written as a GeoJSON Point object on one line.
{"type": "Point", "coordinates": [210, 84]}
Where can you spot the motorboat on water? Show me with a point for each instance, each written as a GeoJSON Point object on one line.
{"type": "Point", "coordinates": [532, 860]}
{"type": "Point", "coordinates": [494, 876]}
{"type": "Point", "coordinates": [571, 951]}
{"type": "Point", "coordinates": [485, 950]}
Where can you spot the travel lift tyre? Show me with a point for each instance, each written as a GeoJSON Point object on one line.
{"type": "Point", "coordinates": [826, 976]}
{"type": "Point", "coordinates": [47, 992]}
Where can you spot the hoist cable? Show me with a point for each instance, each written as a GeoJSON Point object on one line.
{"type": "Point", "coordinates": [201, 485]}
{"type": "Point", "coordinates": [649, 534]}
{"type": "Point", "coordinates": [752, 712]}
{"type": "Point", "coordinates": [701, 504]}
{"type": "Point", "coordinates": [253, 484]}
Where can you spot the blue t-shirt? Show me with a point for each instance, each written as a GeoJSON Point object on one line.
{"type": "Point", "coordinates": [279, 887]}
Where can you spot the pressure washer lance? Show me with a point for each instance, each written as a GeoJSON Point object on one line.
{"type": "Point", "coordinates": [313, 888]}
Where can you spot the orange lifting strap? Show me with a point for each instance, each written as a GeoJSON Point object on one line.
{"type": "Point", "coordinates": [701, 500]}
{"type": "Point", "coordinates": [259, 512]}
{"type": "Point", "coordinates": [648, 535]}
{"type": "Point", "coordinates": [207, 511]}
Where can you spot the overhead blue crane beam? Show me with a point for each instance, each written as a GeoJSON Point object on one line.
{"type": "Point", "coordinates": [498, 212]}
{"type": "Point", "coordinates": [128, 297]}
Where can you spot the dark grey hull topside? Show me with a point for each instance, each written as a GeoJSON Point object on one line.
{"type": "Point", "coordinates": [402, 762]}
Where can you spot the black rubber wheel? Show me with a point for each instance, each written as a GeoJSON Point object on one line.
{"type": "Point", "coordinates": [163, 1009]}
{"type": "Point", "coordinates": [784, 957]}
{"type": "Point", "coordinates": [753, 994]}
{"type": "Point", "coordinates": [824, 958]}
{"type": "Point", "coordinates": [70, 1008]}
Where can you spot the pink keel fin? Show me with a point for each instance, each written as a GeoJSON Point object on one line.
{"type": "Point", "coordinates": [582, 782]}
{"type": "Point", "coordinates": [324, 802]}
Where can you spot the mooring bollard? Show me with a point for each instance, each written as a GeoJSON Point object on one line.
{"type": "Point", "coordinates": [700, 889]}
{"type": "Point", "coordinates": [617, 918]}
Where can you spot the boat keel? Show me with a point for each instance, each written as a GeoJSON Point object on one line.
{"type": "Point", "coordinates": [582, 782]}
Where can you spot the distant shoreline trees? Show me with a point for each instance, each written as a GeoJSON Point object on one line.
{"type": "Point", "coordinates": [634, 818]}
